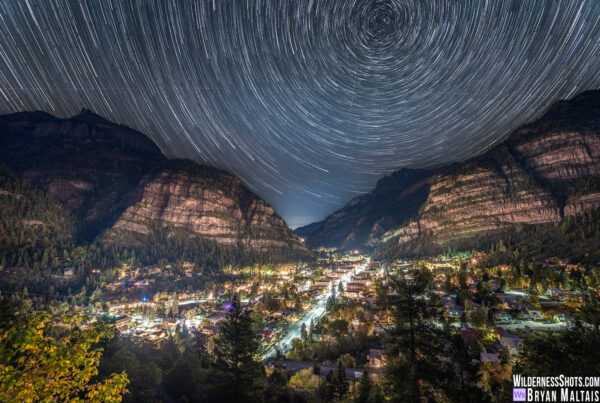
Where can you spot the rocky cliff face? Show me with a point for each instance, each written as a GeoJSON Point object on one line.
{"type": "Point", "coordinates": [395, 199]}
{"type": "Point", "coordinates": [580, 204]}
{"type": "Point", "coordinates": [536, 176]}
{"type": "Point", "coordinates": [562, 148]}
{"type": "Point", "coordinates": [545, 170]}
{"type": "Point", "coordinates": [86, 162]}
{"type": "Point", "coordinates": [488, 195]}
{"type": "Point", "coordinates": [202, 201]}
{"type": "Point", "coordinates": [124, 191]}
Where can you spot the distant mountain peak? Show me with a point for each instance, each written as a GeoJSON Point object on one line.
{"type": "Point", "coordinates": [544, 170]}
{"type": "Point", "coordinates": [85, 111]}
{"type": "Point", "coordinates": [121, 190]}
{"type": "Point", "coordinates": [308, 229]}
{"type": "Point", "coordinates": [91, 117]}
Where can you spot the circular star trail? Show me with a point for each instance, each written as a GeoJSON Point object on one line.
{"type": "Point", "coordinates": [308, 101]}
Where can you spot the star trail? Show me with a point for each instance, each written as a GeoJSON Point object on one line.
{"type": "Point", "coordinates": [308, 101]}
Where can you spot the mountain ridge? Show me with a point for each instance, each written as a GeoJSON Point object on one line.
{"type": "Point", "coordinates": [361, 220]}
{"type": "Point", "coordinates": [533, 177]}
{"type": "Point", "coordinates": [115, 180]}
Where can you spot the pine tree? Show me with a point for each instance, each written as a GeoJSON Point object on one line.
{"type": "Point", "coordinates": [590, 310]}
{"type": "Point", "coordinates": [304, 333]}
{"type": "Point", "coordinates": [235, 350]}
{"type": "Point", "coordinates": [414, 342]}
{"type": "Point", "coordinates": [364, 388]}
{"type": "Point", "coordinates": [331, 301]}
{"type": "Point", "coordinates": [339, 382]}
{"type": "Point", "coordinates": [462, 373]}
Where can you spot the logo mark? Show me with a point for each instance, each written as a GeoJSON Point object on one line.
{"type": "Point", "coordinates": [519, 394]}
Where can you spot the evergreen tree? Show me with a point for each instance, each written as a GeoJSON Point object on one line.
{"type": "Point", "coordinates": [412, 368]}
{"type": "Point", "coordinates": [364, 388]}
{"type": "Point", "coordinates": [332, 300]}
{"type": "Point", "coordinates": [523, 268]}
{"type": "Point", "coordinates": [590, 309]}
{"type": "Point", "coordinates": [462, 373]}
{"type": "Point", "coordinates": [574, 351]}
{"type": "Point", "coordinates": [304, 333]}
{"type": "Point", "coordinates": [278, 390]}
{"type": "Point", "coordinates": [339, 382]}
{"type": "Point", "coordinates": [463, 320]}
{"type": "Point", "coordinates": [235, 350]}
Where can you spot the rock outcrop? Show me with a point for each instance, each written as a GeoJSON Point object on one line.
{"type": "Point", "coordinates": [543, 171]}
{"type": "Point", "coordinates": [484, 196]}
{"type": "Point", "coordinates": [204, 201]}
{"type": "Point", "coordinates": [580, 204]}
{"type": "Point", "coordinates": [531, 178]}
{"type": "Point", "coordinates": [86, 162]}
{"type": "Point", "coordinates": [123, 190]}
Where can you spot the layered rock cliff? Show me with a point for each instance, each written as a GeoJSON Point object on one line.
{"type": "Point", "coordinates": [484, 196]}
{"type": "Point", "coordinates": [543, 171]}
{"type": "Point", "coordinates": [202, 201]}
{"type": "Point", "coordinates": [536, 176]}
{"type": "Point", "coordinates": [86, 162]}
{"type": "Point", "coordinates": [123, 191]}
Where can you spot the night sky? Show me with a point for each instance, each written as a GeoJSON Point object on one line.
{"type": "Point", "coordinates": [309, 102]}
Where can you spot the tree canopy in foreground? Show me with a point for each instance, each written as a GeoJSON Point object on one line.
{"type": "Point", "coordinates": [44, 362]}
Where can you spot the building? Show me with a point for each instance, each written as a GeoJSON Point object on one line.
{"type": "Point", "coordinates": [489, 357]}
{"type": "Point", "coordinates": [209, 330]}
{"type": "Point", "coordinates": [502, 316]}
{"type": "Point", "coordinates": [534, 313]}
{"type": "Point", "coordinates": [513, 343]}
{"type": "Point", "coordinates": [215, 318]}
{"type": "Point", "coordinates": [376, 358]}
{"type": "Point", "coordinates": [122, 323]}
{"type": "Point", "coordinates": [557, 293]}
{"type": "Point", "coordinates": [320, 284]}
